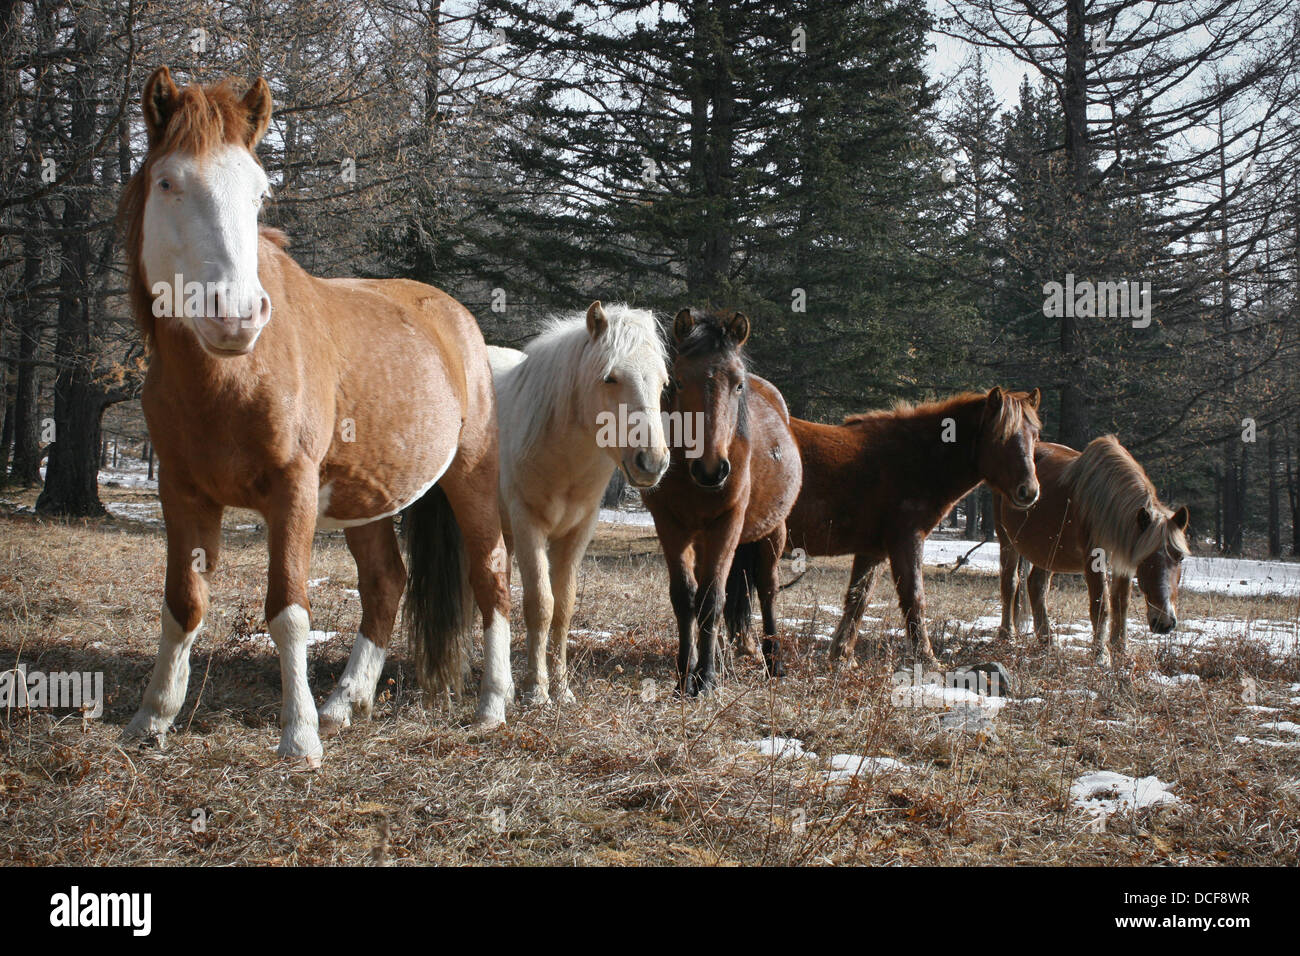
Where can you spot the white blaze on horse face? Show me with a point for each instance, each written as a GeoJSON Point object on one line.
{"type": "Point", "coordinates": [199, 250]}
{"type": "Point", "coordinates": [631, 400]}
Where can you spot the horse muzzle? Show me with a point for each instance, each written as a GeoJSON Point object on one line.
{"type": "Point", "coordinates": [1162, 622]}
{"type": "Point", "coordinates": [702, 477]}
{"type": "Point", "coordinates": [646, 468]}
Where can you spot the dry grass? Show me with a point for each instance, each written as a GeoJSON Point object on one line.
{"type": "Point", "coordinates": [615, 778]}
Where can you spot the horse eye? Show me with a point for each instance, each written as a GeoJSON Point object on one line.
{"type": "Point", "coordinates": [740, 386]}
{"type": "Point", "coordinates": [610, 380]}
{"type": "Point", "coordinates": [164, 185]}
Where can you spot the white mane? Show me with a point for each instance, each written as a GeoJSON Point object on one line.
{"type": "Point", "coordinates": [562, 364]}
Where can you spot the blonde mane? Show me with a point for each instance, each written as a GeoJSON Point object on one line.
{"type": "Point", "coordinates": [1109, 488]}
{"type": "Point", "coordinates": [562, 364]}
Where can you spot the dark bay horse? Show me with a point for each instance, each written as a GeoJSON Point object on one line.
{"type": "Point", "coordinates": [876, 486]}
{"type": "Point", "coordinates": [360, 399]}
{"type": "Point", "coordinates": [733, 489]}
{"type": "Point", "coordinates": [1097, 509]}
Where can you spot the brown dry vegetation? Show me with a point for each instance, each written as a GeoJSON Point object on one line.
{"type": "Point", "coordinates": [615, 778]}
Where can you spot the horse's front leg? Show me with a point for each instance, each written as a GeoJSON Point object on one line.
{"type": "Point", "coordinates": [381, 577]}
{"type": "Point", "coordinates": [862, 582]}
{"type": "Point", "coordinates": [716, 549]}
{"type": "Point", "coordinates": [905, 563]}
{"type": "Point", "coordinates": [539, 604]}
{"type": "Point", "coordinates": [1009, 583]}
{"type": "Point", "coordinates": [193, 543]}
{"type": "Point", "coordinates": [1096, 581]}
{"type": "Point", "coordinates": [1120, 590]}
{"type": "Point", "coordinates": [291, 523]}
{"type": "Point", "coordinates": [679, 559]}
{"type": "Point", "coordinates": [566, 554]}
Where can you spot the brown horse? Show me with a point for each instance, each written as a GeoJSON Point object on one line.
{"type": "Point", "coordinates": [734, 487]}
{"type": "Point", "coordinates": [1097, 507]}
{"type": "Point", "coordinates": [362, 398]}
{"type": "Point", "coordinates": [876, 486]}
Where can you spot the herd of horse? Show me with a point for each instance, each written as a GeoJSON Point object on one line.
{"type": "Point", "coordinates": [366, 399]}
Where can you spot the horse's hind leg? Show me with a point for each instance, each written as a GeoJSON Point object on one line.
{"type": "Point", "coordinates": [381, 576]}
{"type": "Point", "coordinates": [471, 490]}
{"type": "Point", "coordinates": [1040, 579]}
{"type": "Point", "coordinates": [905, 563]}
{"type": "Point", "coordinates": [769, 584]}
{"type": "Point", "coordinates": [193, 544]}
{"type": "Point", "coordinates": [862, 581]}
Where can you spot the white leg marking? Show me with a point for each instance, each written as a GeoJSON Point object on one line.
{"type": "Point", "coordinates": [171, 676]}
{"type": "Point", "coordinates": [497, 685]}
{"type": "Point", "coordinates": [355, 693]}
{"type": "Point", "coordinates": [298, 722]}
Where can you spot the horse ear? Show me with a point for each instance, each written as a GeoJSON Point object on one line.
{"type": "Point", "coordinates": [682, 325]}
{"type": "Point", "coordinates": [1144, 519]}
{"type": "Point", "coordinates": [1181, 518]}
{"type": "Point", "coordinates": [1036, 399]}
{"type": "Point", "coordinates": [993, 402]}
{"type": "Point", "coordinates": [597, 322]}
{"type": "Point", "coordinates": [158, 102]}
{"type": "Point", "coordinates": [738, 328]}
{"type": "Point", "coordinates": [257, 103]}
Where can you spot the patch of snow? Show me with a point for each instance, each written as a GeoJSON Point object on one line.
{"type": "Point", "coordinates": [313, 637]}
{"type": "Point", "coordinates": [846, 767]}
{"type": "Point", "coordinates": [1174, 680]}
{"type": "Point", "coordinates": [1264, 742]}
{"type": "Point", "coordinates": [780, 748]}
{"type": "Point", "coordinates": [146, 512]}
{"type": "Point", "coordinates": [940, 697]}
{"type": "Point", "coordinates": [637, 519]}
{"type": "Point", "coordinates": [1103, 792]}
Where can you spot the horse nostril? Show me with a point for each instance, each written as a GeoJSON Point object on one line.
{"type": "Point", "coordinates": [724, 469]}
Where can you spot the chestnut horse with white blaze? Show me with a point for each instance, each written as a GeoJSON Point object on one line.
{"type": "Point", "coordinates": [876, 486]}
{"type": "Point", "coordinates": [1098, 509]}
{"type": "Point", "coordinates": [581, 400]}
{"type": "Point", "coordinates": [359, 399]}
{"type": "Point", "coordinates": [727, 503]}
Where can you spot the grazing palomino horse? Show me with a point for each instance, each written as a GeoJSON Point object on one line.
{"type": "Point", "coordinates": [736, 491]}
{"type": "Point", "coordinates": [1097, 507]}
{"type": "Point", "coordinates": [580, 401]}
{"type": "Point", "coordinates": [360, 399]}
{"type": "Point", "coordinates": [876, 486]}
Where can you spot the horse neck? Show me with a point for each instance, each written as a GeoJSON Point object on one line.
{"type": "Point", "coordinates": [954, 472]}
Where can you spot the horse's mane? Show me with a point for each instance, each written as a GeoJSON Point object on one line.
{"type": "Point", "coordinates": [563, 363]}
{"type": "Point", "coordinates": [204, 118]}
{"type": "Point", "coordinates": [1109, 488]}
{"type": "Point", "coordinates": [1016, 411]}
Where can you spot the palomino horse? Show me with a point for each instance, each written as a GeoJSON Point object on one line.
{"type": "Point", "coordinates": [361, 398]}
{"type": "Point", "coordinates": [737, 491]}
{"type": "Point", "coordinates": [581, 400]}
{"type": "Point", "coordinates": [876, 486]}
{"type": "Point", "coordinates": [1097, 507]}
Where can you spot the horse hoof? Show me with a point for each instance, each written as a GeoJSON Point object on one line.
{"type": "Point", "coordinates": [147, 731]}
{"type": "Point", "coordinates": [772, 657]}
{"type": "Point", "coordinates": [299, 760]}
{"type": "Point", "coordinates": [565, 696]}
{"type": "Point", "coordinates": [336, 715]}
{"type": "Point", "coordinates": [1102, 658]}
{"type": "Point", "coordinates": [332, 726]}
{"type": "Point", "coordinates": [485, 725]}
{"type": "Point", "coordinates": [534, 697]}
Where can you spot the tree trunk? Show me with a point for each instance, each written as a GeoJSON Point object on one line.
{"type": "Point", "coordinates": [1274, 495]}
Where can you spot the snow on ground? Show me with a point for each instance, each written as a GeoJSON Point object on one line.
{"type": "Point", "coordinates": [146, 512]}
{"type": "Point", "coordinates": [313, 637]}
{"type": "Point", "coordinates": [1103, 792]}
{"type": "Point", "coordinates": [780, 747]}
{"type": "Point", "coordinates": [638, 518]}
{"type": "Point", "coordinates": [847, 767]}
{"type": "Point", "coordinates": [129, 473]}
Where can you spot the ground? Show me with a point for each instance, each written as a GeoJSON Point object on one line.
{"type": "Point", "coordinates": [763, 772]}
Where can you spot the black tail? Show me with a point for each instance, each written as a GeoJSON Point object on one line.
{"type": "Point", "coordinates": [741, 587]}
{"type": "Point", "coordinates": [438, 599]}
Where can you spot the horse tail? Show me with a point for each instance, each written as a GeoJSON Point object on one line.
{"type": "Point", "coordinates": [438, 610]}
{"type": "Point", "coordinates": [741, 586]}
